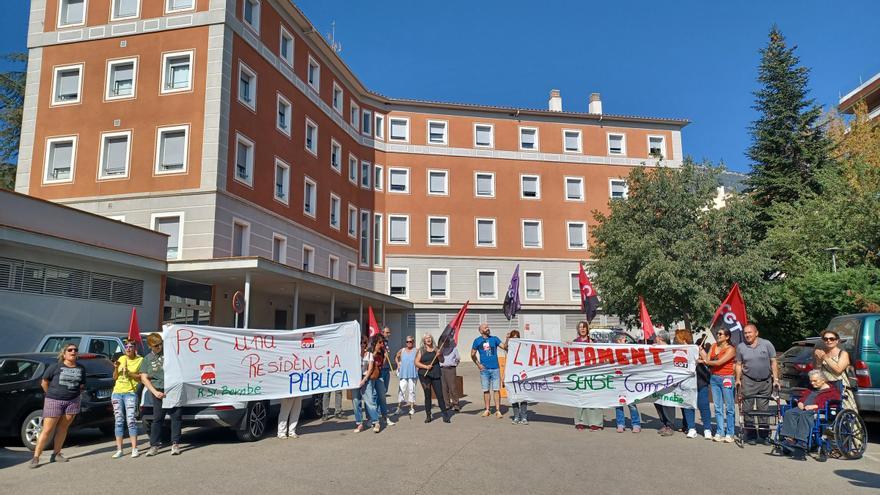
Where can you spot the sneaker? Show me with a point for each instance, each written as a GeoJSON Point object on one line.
{"type": "Point", "coordinates": [376, 427]}
{"type": "Point", "coordinates": [57, 458]}
{"type": "Point", "coordinates": [498, 414]}
{"type": "Point", "coordinates": [667, 432]}
{"type": "Point", "coordinates": [718, 437]}
{"type": "Point", "coordinates": [388, 422]}
{"type": "Point", "coordinates": [153, 451]}
{"type": "Point", "coordinates": [117, 455]}
{"type": "Point", "coordinates": [325, 417]}
{"type": "Point", "coordinates": [514, 421]}
{"type": "Point", "coordinates": [135, 453]}
{"type": "Point", "coordinates": [340, 415]}
{"type": "Point", "coordinates": [411, 412]}
{"type": "Point", "coordinates": [637, 429]}
{"type": "Point", "coordinates": [35, 462]}
{"type": "Point", "coordinates": [580, 427]}
{"type": "Point", "coordinates": [692, 433]}
{"type": "Point", "coordinates": [595, 428]}
{"type": "Point", "coordinates": [485, 413]}
{"type": "Point", "coordinates": [620, 429]}
{"type": "Point", "coordinates": [524, 421]}
{"type": "Point", "coordinates": [707, 434]}
{"type": "Point", "coordinates": [293, 435]}
{"type": "Point", "coordinates": [728, 439]}
{"type": "Point", "coordinates": [175, 449]}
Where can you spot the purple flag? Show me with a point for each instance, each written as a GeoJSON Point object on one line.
{"type": "Point", "coordinates": [511, 300]}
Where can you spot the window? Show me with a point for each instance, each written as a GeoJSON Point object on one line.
{"type": "Point", "coordinates": [311, 141]}
{"type": "Point", "coordinates": [170, 225]}
{"type": "Point", "coordinates": [352, 273]}
{"type": "Point", "coordinates": [244, 160]}
{"type": "Point", "coordinates": [310, 197]}
{"type": "Point", "coordinates": [398, 180]}
{"type": "Point", "coordinates": [337, 98]}
{"type": "Point", "coordinates": [438, 231]}
{"type": "Point", "coordinates": [60, 159]}
{"type": "Point", "coordinates": [377, 239]}
{"type": "Point", "coordinates": [335, 156]}
{"type": "Point", "coordinates": [241, 238]}
{"type": "Point", "coordinates": [528, 138]}
{"type": "Point", "coordinates": [398, 282]}
{"type": "Point", "coordinates": [619, 189]}
{"type": "Point", "coordinates": [314, 74]}
{"type": "Point", "coordinates": [171, 149]}
{"type": "Point", "coordinates": [534, 285]}
{"type": "Point", "coordinates": [365, 237]}
{"type": "Point", "coordinates": [485, 184]}
{"type": "Point", "coordinates": [251, 14]}
{"type": "Point", "coordinates": [354, 117]}
{"type": "Point", "coordinates": [439, 284]}
{"type": "Point", "coordinates": [308, 259]}
{"type": "Point", "coordinates": [176, 72]}
{"type": "Point", "coordinates": [352, 169]}
{"type": "Point", "coordinates": [487, 284]}
{"type": "Point", "coordinates": [531, 186]}
{"type": "Point", "coordinates": [17, 370]}
{"type": "Point", "coordinates": [378, 177]}
{"type": "Point", "coordinates": [279, 248]}
{"type": "Point", "coordinates": [486, 232]}
{"type": "Point", "coordinates": [285, 47]}
{"type": "Point", "coordinates": [367, 122]}
{"type": "Point", "coordinates": [178, 5]}
{"type": "Point", "coordinates": [398, 229]}
{"type": "Point", "coordinates": [71, 13]}
{"type": "Point", "coordinates": [574, 286]}
{"type": "Point", "coordinates": [531, 231]}
{"type": "Point", "coordinates": [577, 235]}
{"type": "Point", "coordinates": [616, 144]}
{"type": "Point", "coordinates": [282, 123]}
{"type": "Point", "coordinates": [571, 141]}
{"type": "Point", "coordinates": [483, 136]}
{"type": "Point", "coordinates": [438, 182]}
{"type": "Point", "coordinates": [124, 9]}
{"type": "Point", "coordinates": [335, 211]}
{"type": "Point", "coordinates": [380, 126]}
{"type": "Point", "coordinates": [657, 147]}
{"type": "Point", "coordinates": [399, 129]}
{"type": "Point", "coordinates": [333, 267]}
{"type": "Point", "coordinates": [121, 79]}
{"type": "Point", "coordinates": [352, 220]}
{"type": "Point", "coordinates": [115, 150]}
{"type": "Point", "coordinates": [437, 132]}
{"type": "Point", "coordinates": [247, 86]}
{"type": "Point", "coordinates": [68, 85]}
{"type": "Point", "coordinates": [574, 189]}
{"type": "Point", "coordinates": [282, 181]}
{"type": "Point", "coordinates": [366, 174]}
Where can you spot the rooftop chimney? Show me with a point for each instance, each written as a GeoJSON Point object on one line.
{"type": "Point", "coordinates": [555, 103]}
{"type": "Point", "coordinates": [595, 104]}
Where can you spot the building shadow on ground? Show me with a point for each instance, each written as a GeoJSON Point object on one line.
{"type": "Point", "coordinates": [859, 478]}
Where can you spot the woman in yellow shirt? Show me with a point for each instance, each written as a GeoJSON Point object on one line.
{"type": "Point", "coordinates": [124, 397]}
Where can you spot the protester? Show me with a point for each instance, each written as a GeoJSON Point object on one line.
{"type": "Point", "coordinates": [325, 405]}
{"type": "Point", "coordinates": [720, 360]}
{"type": "Point", "coordinates": [407, 376]}
{"type": "Point", "coordinates": [124, 397]}
{"type": "Point", "coordinates": [62, 382]}
{"type": "Point", "coordinates": [152, 373]}
{"type": "Point", "coordinates": [521, 408]}
{"type": "Point", "coordinates": [288, 417]}
{"type": "Point", "coordinates": [449, 379]}
{"type": "Point", "coordinates": [359, 395]}
{"type": "Point", "coordinates": [587, 417]}
{"type": "Point", "coordinates": [834, 361]}
{"type": "Point", "coordinates": [755, 367]}
{"type": "Point", "coordinates": [666, 414]}
{"type": "Point", "coordinates": [689, 426]}
{"type": "Point", "coordinates": [376, 391]}
{"type": "Point", "coordinates": [797, 423]}
{"type": "Point", "coordinates": [486, 347]}
{"type": "Point", "coordinates": [635, 417]}
{"type": "Point", "coordinates": [704, 375]}
{"type": "Point", "coordinates": [428, 361]}
{"type": "Point", "coordinates": [386, 365]}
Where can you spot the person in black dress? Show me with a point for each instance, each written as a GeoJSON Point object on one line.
{"type": "Point", "coordinates": [428, 363]}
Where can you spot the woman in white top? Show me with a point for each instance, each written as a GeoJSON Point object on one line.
{"type": "Point", "coordinates": [834, 361]}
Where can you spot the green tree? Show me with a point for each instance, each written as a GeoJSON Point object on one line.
{"type": "Point", "coordinates": [12, 84]}
{"type": "Point", "coordinates": [667, 243]}
{"type": "Point", "coordinates": [788, 146]}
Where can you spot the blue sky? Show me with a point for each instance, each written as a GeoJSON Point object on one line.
{"type": "Point", "coordinates": [691, 59]}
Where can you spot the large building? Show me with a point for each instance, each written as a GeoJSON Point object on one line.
{"type": "Point", "coordinates": [235, 128]}
{"type": "Point", "coordinates": [868, 92]}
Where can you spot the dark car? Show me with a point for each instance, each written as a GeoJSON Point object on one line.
{"type": "Point", "coordinates": [22, 396]}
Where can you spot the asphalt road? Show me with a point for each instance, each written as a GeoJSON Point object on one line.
{"type": "Point", "coordinates": [471, 455]}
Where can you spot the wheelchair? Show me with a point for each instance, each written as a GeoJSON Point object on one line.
{"type": "Point", "coordinates": [837, 432]}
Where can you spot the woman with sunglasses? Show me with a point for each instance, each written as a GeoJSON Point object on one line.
{"type": "Point", "coordinates": [720, 360]}
{"type": "Point", "coordinates": [62, 383]}
{"type": "Point", "coordinates": [408, 375]}
{"type": "Point", "coordinates": [834, 361]}
{"type": "Point", "coordinates": [427, 360]}
{"type": "Point", "coordinates": [124, 398]}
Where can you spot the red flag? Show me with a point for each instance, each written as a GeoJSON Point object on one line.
{"type": "Point", "coordinates": [449, 338]}
{"type": "Point", "coordinates": [589, 298]}
{"type": "Point", "coordinates": [373, 326]}
{"type": "Point", "coordinates": [134, 331]}
{"type": "Point", "coordinates": [645, 318]}
{"type": "Point", "coordinates": [731, 315]}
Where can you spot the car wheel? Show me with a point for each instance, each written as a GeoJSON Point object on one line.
{"type": "Point", "coordinates": [255, 421]}
{"type": "Point", "coordinates": [31, 427]}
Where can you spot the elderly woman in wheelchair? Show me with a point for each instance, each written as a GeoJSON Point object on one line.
{"type": "Point", "coordinates": [798, 422]}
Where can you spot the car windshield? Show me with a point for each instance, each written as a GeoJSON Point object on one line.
{"type": "Point", "coordinates": [801, 353]}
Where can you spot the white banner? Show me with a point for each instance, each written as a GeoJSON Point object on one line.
{"type": "Point", "coordinates": [205, 365]}
{"type": "Point", "coordinates": [600, 375]}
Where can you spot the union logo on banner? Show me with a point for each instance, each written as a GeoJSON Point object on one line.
{"type": "Point", "coordinates": [308, 341]}
{"type": "Point", "coordinates": [208, 374]}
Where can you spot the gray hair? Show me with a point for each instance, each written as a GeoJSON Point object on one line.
{"type": "Point", "coordinates": [662, 335]}
{"type": "Point", "coordinates": [422, 345]}
{"type": "Point", "coordinates": [817, 374]}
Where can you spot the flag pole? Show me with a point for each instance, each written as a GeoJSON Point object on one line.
{"type": "Point", "coordinates": [436, 355]}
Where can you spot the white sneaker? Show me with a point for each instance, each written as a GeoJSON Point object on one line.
{"type": "Point", "coordinates": [728, 439]}
{"type": "Point", "coordinates": [692, 433]}
{"type": "Point", "coordinates": [718, 437]}
{"type": "Point", "coordinates": [118, 454]}
{"type": "Point", "coordinates": [134, 453]}
{"type": "Point", "coordinates": [412, 411]}
{"type": "Point", "coordinates": [388, 422]}
{"type": "Point", "coordinates": [707, 434]}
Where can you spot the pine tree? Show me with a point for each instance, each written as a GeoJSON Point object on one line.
{"type": "Point", "coordinates": [12, 85]}
{"type": "Point", "coordinates": [789, 146]}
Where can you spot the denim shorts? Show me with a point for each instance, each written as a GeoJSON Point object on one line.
{"type": "Point", "coordinates": [490, 379]}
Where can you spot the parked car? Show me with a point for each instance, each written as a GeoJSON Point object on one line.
{"type": "Point", "coordinates": [22, 396]}
{"type": "Point", "coordinates": [107, 344]}
{"type": "Point", "coordinates": [860, 337]}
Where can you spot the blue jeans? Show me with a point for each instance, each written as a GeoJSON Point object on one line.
{"type": "Point", "coordinates": [490, 379]}
{"type": "Point", "coordinates": [377, 398]}
{"type": "Point", "coordinates": [363, 397]}
{"type": "Point", "coordinates": [703, 406]}
{"type": "Point", "coordinates": [124, 406]}
{"type": "Point", "coordinates": [689, 418]}
{"type": "Point", "coordinates": [723, 394]}
{"type": "Point", "coordinates": [635, 417]}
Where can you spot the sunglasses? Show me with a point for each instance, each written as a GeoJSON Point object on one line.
{"type": "Point", "coordinates": [71, 350]}
{"type": "Point", "coordinates": [829, 339]}
{"type": "Point", "coordinates": [410, 341]}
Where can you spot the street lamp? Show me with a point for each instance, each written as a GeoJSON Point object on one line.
{"type": "Point", "coordinates": [833, 251]}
